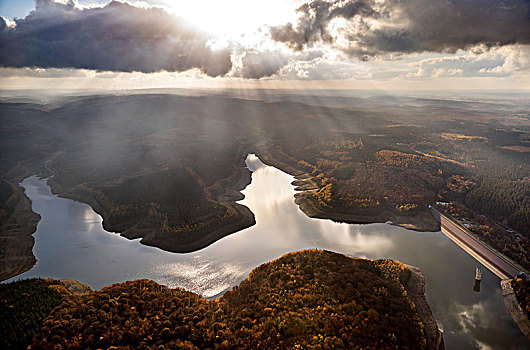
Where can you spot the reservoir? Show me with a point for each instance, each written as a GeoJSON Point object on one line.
{"type": "Point", "coordinates": [70, 242]}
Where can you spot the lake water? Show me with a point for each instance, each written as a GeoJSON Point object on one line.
{"type": "Point", "coordinates": [70, 242]}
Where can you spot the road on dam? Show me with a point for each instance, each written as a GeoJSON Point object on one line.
{"type": "Point", "coordinates": [494, 261]}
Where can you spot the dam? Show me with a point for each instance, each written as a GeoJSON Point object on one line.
{"type": "Point", "coordinates": [497, 263]}
{"type": "Point", "coordinates": [503, 267]}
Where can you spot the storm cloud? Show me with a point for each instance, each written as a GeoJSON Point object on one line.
{"type": "Point", "coordinates": [116, 37]}
{"type": "Point", "coordinates": [369, 27]}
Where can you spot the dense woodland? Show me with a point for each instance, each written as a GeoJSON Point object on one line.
{"type": "Point", "coordinates": [306, 300]}
{"type": "Point", "coordinates": [369, 178]}
{"type": "Point", "coordinates": [23, 307]}
{"type": "Point", "coordinates": [380, 172]}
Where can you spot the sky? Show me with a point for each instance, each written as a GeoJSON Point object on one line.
{"type": "Point", "coordinates": [302, 44]}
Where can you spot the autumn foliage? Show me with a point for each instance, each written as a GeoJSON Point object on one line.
{"type": "Point", "coordinates": [23, 307]}
{"type": "Point", "coordinates": [306, 300]}
{"type": "Point", "coordinates": [521, 288]}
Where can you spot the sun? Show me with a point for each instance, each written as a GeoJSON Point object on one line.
{"type": "Point", "coordinates": [237, 20]}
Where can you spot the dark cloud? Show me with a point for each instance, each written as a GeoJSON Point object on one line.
{"type": "Point", "coordinates": [261, 64]}
{"type": "Point", "coordinates": [116, 37]}
{"type": "Point", "coordinates": [315, 17]}
{"type": "Point", "coordinates": [405, 26]}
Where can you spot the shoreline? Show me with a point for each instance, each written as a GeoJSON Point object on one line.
{"type": "Point", "coordinates": [514, 308]}
{"type": "Point", "coordinates": [190, 241]}
{"type": "Point", "coordinates": [408, 286]}
{"type": "Point", "coordinates": [184, 242]}
{"type": "Point", "coordinates": [16, 239]}
{"type": "Point", "coordinates": [205, 235]}
{"type": "Point", "coordinates": [422, 221]}
{"type": "Point", "coordinates": [151, 236]}
{"type": "Point", "coordinates": [415, 288]}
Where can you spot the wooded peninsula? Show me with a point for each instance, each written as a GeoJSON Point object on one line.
{"type": "Point", "coordinates": [310, 299]}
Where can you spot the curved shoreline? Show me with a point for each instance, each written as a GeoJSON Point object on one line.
{"type": "Point", "coordinates": [423, 221]}
{"type": "Point", "coordinates": [203, 237]}
{"type": "Point", "coordinates": [16, 239]}
{"type": "Point", "coordinates": [294, 275]}
{"type": "Point", "coordinates": [514, 308]}
{"type": "Point", "coordinates": [195, 240]}
{"type": "Point", "coordinates": [415, 288]}
{"type": "Point", "coordinates": [16, 255]}
{"type": "Point", "coordinates": [152, 237]}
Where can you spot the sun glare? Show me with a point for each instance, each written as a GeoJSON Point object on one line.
{"type": "Point", "coordinates": [238, 20]}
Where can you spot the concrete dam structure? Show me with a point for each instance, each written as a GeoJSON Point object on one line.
{"type": "Point", "coordinates": [488, 257]}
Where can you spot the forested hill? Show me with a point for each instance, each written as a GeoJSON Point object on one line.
{"type": "Point", "coordinates": [311, 299]}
